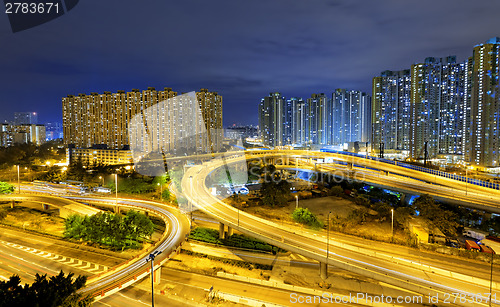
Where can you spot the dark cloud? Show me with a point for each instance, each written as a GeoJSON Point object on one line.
{"type": "Point", "coordinates": [241, 49]}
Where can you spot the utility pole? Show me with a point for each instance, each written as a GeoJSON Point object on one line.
{"type": "Point", "coordinates": [392, 224]}
{"type": "Point", "coordinates": [116, 188]}
{"type": "Point", "coordinates": [381, 153]}
{"type": "Point", "coordinates": [18, 181]}
{"type": "Point", "coordinates": [191, 203]}
{"type": "Point", "coordinates": [466, 178]}
{"type": "Point", "coordinates": [426, 153]}
{"type": "Point", "coordinates": [491, 275]}
{"type": "Point", "coordinates": [328, 240]}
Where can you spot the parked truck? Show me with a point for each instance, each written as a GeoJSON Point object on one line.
{"type": "Point", "coordinates": [486, 249]}
{"type": "Point", "coordinates": [474, 233]}
{"type": "Point", "coordinates": [495, 245]}
{"type": "Point", "coordinates": [472, 246]}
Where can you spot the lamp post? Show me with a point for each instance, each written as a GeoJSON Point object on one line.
{"type": "Point", "coordinates": [491, 276]}
{"type": "Point", "coordinates": [392, 223]}
{"type": "Point", "coordinates": [116, 188]}
{"type": "Point", "coordinates": [466, 178]}
{"type": "Point", "coordinates": [151, 258]}
{"type": "Point", "coordinates": [191, 203]}
{"type": "Point", "coordinates": [18, 181]}
{"type": "Point", "coordinates": [328, 240]}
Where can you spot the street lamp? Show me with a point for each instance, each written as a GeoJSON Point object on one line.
{"type": "Point", "coordinates": [18, 181]}
{"type": "Point", "coordinates": [151, 258]}
{"type": "Point", "coordinates": [491, 276]}
{"type": "Point", "coordinates": [116, 188]}
{"type": "Point", "coordinates": [392, 223]}
{"type": "Point", "coordinates": [328, 240]}
{"type": "Point", "coordinates": [191, 202]}
{"type": "Point", "coordinates": [466, 178]}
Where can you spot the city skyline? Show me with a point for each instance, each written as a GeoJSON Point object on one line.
{"type": "Point", "coordinates": [338, 45]}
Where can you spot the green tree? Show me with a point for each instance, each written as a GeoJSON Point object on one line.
{"type": "Point", "coordinates": [59, 290]}
{"type": "Point", "coordinates": [383, 209]}
{"type": "Point", "coordinates": [401, 215]}
{"type": "Point", "coordinates": [275, 189]}
{"type": "Point", "coordinates": [138, 224]}
{"type": "Point", "coordinates": [358, 216]}
{"type": "Point", "coordinates": [176, 176]}
{"type": "Point", "coordinates": [73, 226]}
{"type": "Point", "coordinates": [6, 188]}
{"type": "Point", "coordinates": [445, 220]}
{"type": "Point", "coordinates": [76, 170]}
{"type": "Point", "coordinates": [166, 194]}
{"type": "Point", "coordinates": [304, 216]}
{"type": "Point", "coordinates": [337, 191]}
{"type": "Point", "coordinates": [110, 229]}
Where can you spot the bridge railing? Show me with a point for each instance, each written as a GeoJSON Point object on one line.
{"type": "Point", "coordinates": [460, 178]}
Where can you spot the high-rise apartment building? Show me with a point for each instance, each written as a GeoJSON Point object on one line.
{"type": "Point", "coordinates": [211, 111]}
{"type": "Point", "coordinates": [105, 119]}
{"type": "Point", "coordinates": [391, 110]}
{"type": "Point", "coordinates": [298, 120]}
{"type": "Point", "coordinates": [53, 131]}
{"type": "Point", "coordinates": [485, 104]}
{"type": "Point", "coordinates": [351, 116]}
{"type": "Point", "coordinates": [273, 120]}
{"type": "Point", "coordinates": [318, 113]}
{"type": "Point", "coordinates": [21, 134]}
{"type": "Point", "coordinates": [437, 106]}
{"type": "Point", "coordinates": [25, 118]}
{"type": "Point", "coordinates": [442, 107]}
{"type": "Point", "coordinates": [315, 121]}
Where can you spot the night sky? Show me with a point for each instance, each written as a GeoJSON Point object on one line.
{"type": "Point", "coordinates": [242, 49]}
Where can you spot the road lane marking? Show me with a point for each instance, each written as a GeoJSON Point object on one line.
{"type": "Point", "coordinates": [62, 259]}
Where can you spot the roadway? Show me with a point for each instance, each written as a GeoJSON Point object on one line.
{"type": "Point", "coordinates": [375, 172]}
{"type": "Point", "coordinates": [27, 254]}
{"type": "Point", "coordinates": [113, 280]}
{"type": "Point", "coordinates": [405, 272]}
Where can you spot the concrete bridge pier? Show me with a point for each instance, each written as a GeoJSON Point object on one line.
{"type": "Point", "coordinates": [221, 231]}
{"type": "Point", "coordinates": [116, 209]}
{"type": "Point", "coordinates": [157, 276]}
{"type": "Point", "coordinates": [323, 270]}
{"type": "Point", "coordinates": [12, 204]}
{"type": "Point", "coordinates": [45, 207]}
{"type": "Point", "coordinates": [230, 231]}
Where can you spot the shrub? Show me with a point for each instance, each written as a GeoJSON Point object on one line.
{"type": "Point", "coordinates": [306, 217]}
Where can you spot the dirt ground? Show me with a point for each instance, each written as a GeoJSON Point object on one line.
{"type": "Point", "coordinates": [31, 219]}
{"type": "Point", "coordinates": [341, 207]}
{"type": "Point", "coordinates": [318, 206]}
{"type": "Point", "coordinates": [211, 267]}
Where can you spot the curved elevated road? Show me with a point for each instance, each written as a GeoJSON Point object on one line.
{"type": "Point", "coordinates": [383, 266]}
{"type": "Point", "coordinates": [133, 270]}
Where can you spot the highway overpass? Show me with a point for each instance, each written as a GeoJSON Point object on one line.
{"type": "Point", "coordinates": [383, 266]}
{"type": "Point", "coordinates": [107, 283]}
